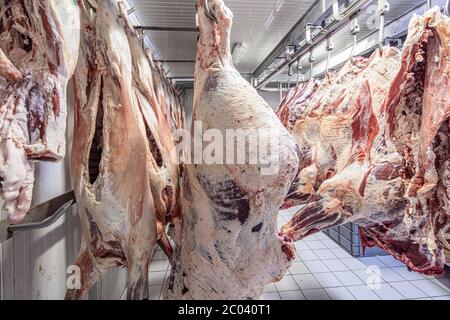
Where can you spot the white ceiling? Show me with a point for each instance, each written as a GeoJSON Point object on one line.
{"type": "Point", "coordinates": [252, 24]}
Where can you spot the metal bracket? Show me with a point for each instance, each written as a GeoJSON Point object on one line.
{"type": "Point", "coordinates": [354, 30]}
{"type": "Point", "coordinates": [290, 71]}
{"type": "Point", "coordinates": [336, 14]}
{"type": "Point", "coordinates": [329, 47]}
{"type": "Point", "coordinates": [42, 224]}
{"type": "Point", "coordinates": [311, 57]}
{"type": "Point", "coordinates": [311, 60]}
{"type": "Point", "coordinates": [40, 216]}
{"type": "Point", "coordinates": [299, 68]}
{"type": "Point", "coordinates": [354, 26]}
{"type": "Point", "coordinates": [393, 42]}
{"type": "Point", "coordinates": [309, 28]}
{"type": "Point", "coordinates": [383, 8]}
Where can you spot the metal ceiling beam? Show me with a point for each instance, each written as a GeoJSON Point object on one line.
{"type": "Point", "coordinates": [171, 29]}
{"type": "Point", "coordinates": [328, 30]}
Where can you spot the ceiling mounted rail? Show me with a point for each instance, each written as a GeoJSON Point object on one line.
{"type": "Point", "coordinates": [328, 30]}
{"type": "Point", "coordinates": [394, 33]}
{"type": "Point", "coordinates": [171, 29]}
{"type": "Point", "coordinates": [176, 61]}
{"type": "Point", "coordinates": [318, 14]}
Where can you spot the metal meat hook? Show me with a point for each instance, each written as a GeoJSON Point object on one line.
{"type": "Point", "coordinates": [208, 12]}
{"type": "Point", "coordinates": [383, 8]}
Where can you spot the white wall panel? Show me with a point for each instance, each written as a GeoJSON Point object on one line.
{"type": "Point", "coordinates": [33, 264]}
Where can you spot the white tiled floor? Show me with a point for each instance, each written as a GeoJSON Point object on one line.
{"type": "Point", "coordinates": [324, 271]}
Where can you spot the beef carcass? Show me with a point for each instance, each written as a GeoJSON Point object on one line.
{"type": "Point", "coordinates": [39, 43]}
{"type": "Point", "coordinates": [383, 179]}
{"type": "Point", "coordinates": [126, 183]}
{"type": "Point", "coordinates": [418, 112]}
{"type": "Point", "coordinates": [226, 239]}
{"type": "Point", "coordinates": [305, 114]}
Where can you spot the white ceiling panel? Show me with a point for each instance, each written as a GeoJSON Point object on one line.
{"type": "Point", "coordinates": [261, 24]}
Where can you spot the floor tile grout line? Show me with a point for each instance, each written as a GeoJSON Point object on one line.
{"type": "Point", "coordinates": [396, 269]}
{"type": "Point", "coordinates": [323, 289]}
{"type": "Point", "coordinates": [422, 290]}
{"type": "Point", "coordinates": [403, 297]}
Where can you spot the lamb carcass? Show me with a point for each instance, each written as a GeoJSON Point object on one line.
{"type": "Point", "coordinates": [382, 179]}
{"type": "Point", "coordinates": [226, 239]}
{"type": "Point", "coordinates": [39, 43]}
{"type": "Point", "coordinates": [126, 183]}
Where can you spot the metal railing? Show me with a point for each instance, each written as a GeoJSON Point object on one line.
{"type": "Point", "coordinates": [321, 36]}
{"type": "Point", "coordinates": [39, 217]}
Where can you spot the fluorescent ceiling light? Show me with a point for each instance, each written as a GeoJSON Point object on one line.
{"type": "Point", "coordinates": [269, 21]}
{"type": "Point", "coordinates": [279, 5]}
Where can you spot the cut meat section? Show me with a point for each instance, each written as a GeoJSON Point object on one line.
{"type": "Point", "coordinates": [418, 111]}
{"type": "Point", "coordinates": [343, 139]}
{"type": "Point", "coordinates": [39, 43]}
{"type": "Point", "coordinates": [226, 239]}
{"type": "Point", "coordinates": [380, 158]}
{"type": "Point", "coordinates": [124, 170]}
{"type": "Point", "coordinates": [305, 121]}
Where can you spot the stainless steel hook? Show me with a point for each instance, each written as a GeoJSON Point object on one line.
{"type": "Point", "coordinates": [299, 68]}
{"type": "Point", "coordinates": [354, 30]}
{"type": "Point", "coordinates": [383, 7]}
{"type": "Point", "coordinates": [447, 7]}
{"type": "Point", "coordinates": [309, 32]}
{"type": "Point", "coordinates": [311, 61]}
{"type": "Point", "coordinates": [336, 14]}
{"type": "Point", "coordinates": [208, 12]}
{"type": "Point", "coordinates": [329, 48]}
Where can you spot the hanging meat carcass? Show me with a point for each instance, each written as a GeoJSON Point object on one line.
{"type": "Point", "coordinates": [39, 42]}
{"type": "Point", "coordinates": [226, 241]}
{"type": "Point", "coordinates": [418, 122]}
{"type": "Point", "coordinates": [382, 178]}
{"type": "Point", "coordinates": [125, 176]}
{"type": "Point", "coordinates": [303, 118]}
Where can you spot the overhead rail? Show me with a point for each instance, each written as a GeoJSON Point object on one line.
{"type": "Point", "coordinates": [170, 29]}
{"type": "Point", "coordinates": [316, 13]}
{"type": "Point", "coordinates": [383, 8]}
{"type": "Point", "coordinates": [389, 33]}
{"type": "Point", "coordinates": [394, 32]}
{"type": "Point", "coordinates": [40, 216]}
{"type": "Point", "coordinates": [326, 31]}
{"type": "Point", "coordinates": [176, 61]}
